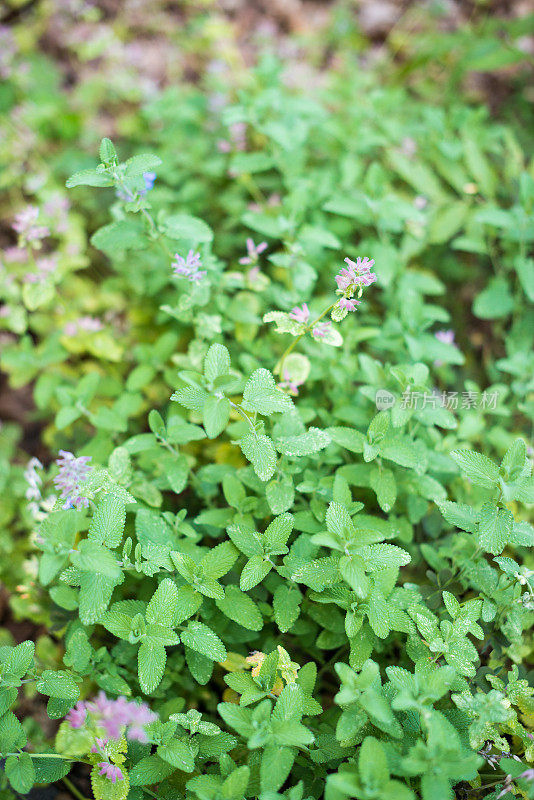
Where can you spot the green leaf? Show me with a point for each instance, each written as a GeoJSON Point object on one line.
{"type": "Point", "coordinates": [178, 753]}
{"type": "Point", "coordinates": [372, 763]}
{"type": "Point", "coordinates": [348, 438]}
{"type": "Point", "coordinates": [20, 772]}
{"type": "Point", "coordinates": [495, 301]}
{"type": "Point", "coordinates": [162, 608]}
{"type": "Point", "coordinates": [151, 660]}
{"type": "Point", "coordinates": [215, 415]}
{"type": "Point", "coordinates": [240, 608]}
{"type": "Point", "coordinates": [378, 615]}
{"type": "Point", "coordinates": [58, 684]}
{"type": "Point", "coordinates": [286, 605]}
{"type": "Point", "coordinates": [107, 151]}
{"type": "Point", "coordinates": [118, 237]}
{"type": "Point", "coordinates": [460, 515]}
{"type": "Point", "coordinates": [276, 763]}
{"type": "Point", "coordinates": [217, 362]}
{"type": "Point", "coordinates": [137, 165]}
{"type": "Point", "coordinates": [261, 394]}
{"type": "Point", "coordinates": [93, 557]}
{"type": "Point", "coordinates": [19, 660]}
{"type": "Point", "coordinates": [149, 770]}
{"type": "Point", "coordinates": [89, 177]}
{"type": "Point", "coordinates": [495, 528]}
{"type": "Point", "coordinates": [188, 602]}
{"type": "Point", "coordinates": [254, 571]}
{"type": "Point", "coordinates": [479, 468]}
{"type": "Point", "coordinates": [260, 451]}
{"type": "Point", "coordinates": [384, 484]}
{"type": "Point", "coordinates": [184, 226]}
{"type": "Point", "coordinates": [219, 560]}
{"type": "Point", "coordinates": [199, 637]}
{"type": "Point", "coordinates": [305, 444]}
{"type": "Point", "coordinates": [280, 494]}
{"type": "Point", "coordinates": [95, 594]}
{"type": "Point", "coordinates": [117, 623]}
{"type": "Point", "coordinates": [107, 524]}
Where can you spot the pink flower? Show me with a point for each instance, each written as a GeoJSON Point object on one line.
{"type": "Point", "coordinates": [110, 771]}
{"type": "Point", "coordinates": [291, 386]}
{"type": "Point", "coordinates": [115, 717]}
{"type": "Point", "coordinates": [357, 275]}
{"type": "Point", "coordinates": [349, 304]}
{"type": "Point", "coordinates": [300, 314]}
{"type": "Point", "coordinates": [253, 251]}
{"type": "Point", "coordinates": [77, 715]}
{"type": "Point", "coordinates": [321, 330]}
{"type": "Point", "coordinates": [99, 745]}
{"type": "Point", "coordinates": [25, 226]}
{"type": "Point", "coordinates": [447, 337]}
{"type": "Point", "coordinates": [345, 278]}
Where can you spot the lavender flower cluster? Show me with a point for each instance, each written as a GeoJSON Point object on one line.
{"type": "Point", "coordinates": [73, 472]}
{"type": "Point", "coordinates": [188, 267]}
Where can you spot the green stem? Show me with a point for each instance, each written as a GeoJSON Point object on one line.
{"type": "Point", "coordinates": [243, 414]}
{"type": "Point", "coordinates": [73, 790]}
{"type": "Point", "coordinates": [43, 755]}
{"type": "Point", "coordinates": [149, 218]}
{"type": "Point", "coordinates": [279, 369]}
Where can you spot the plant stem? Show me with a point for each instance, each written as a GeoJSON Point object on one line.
{"type": "Point", "coordinates": [279, 369]}
{"type": "Point", "coordinates": [243, 414]}
{"type": "Point", "coordinates": [73, 790]}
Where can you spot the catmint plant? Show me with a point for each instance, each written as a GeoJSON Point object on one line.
{"type": "Point", "coordinates": [294, 560]}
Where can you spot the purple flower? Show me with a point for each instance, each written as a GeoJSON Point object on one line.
{"type": "Point", "coordinates": [321, 330]}
{"type": "Point", "coordinates": [349, 304]}
{"type": "Point", "coordinates": [188, 267]}
{"type": "Point", "coordinates": [447, 337]}
{"type": "Point", "coordinates": [110, 771]}
{"type": "Point", "coordinates": [25, 226]}
{"type": "Point", "coordinates": [77, 715]}
{"type": "Point", "coordinates": [72, 474]}
{"type": "Point", "coordinates": [253, 251]}
{"type": "Point", "coordinates": [300, 314]}
{"type": "Point", "coordinates": [149, 178]}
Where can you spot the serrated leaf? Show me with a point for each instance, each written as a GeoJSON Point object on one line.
{"type": "Point", "coordinates": [286, 605]}
{"type": "Point", "coordinates": [199, 637]}
{"type": "Point", "coordinates": [138, 165]}
{"type": "Point", "coordinates": [260, 451]}
{"type": "Point", "coordinates": [178, 754]}
{"type": "Point", "coordinates": [161, 609]}
{"type": "Point", "coordinates": [151, 660]}
{"type": "Point", "coordinates": [215, 415]}
{"type": "Point", "coordinates": [58, 684]}
{"type": "Point", "coordinates": [261, 394]}
{"type": "Point", "coordinates": [305, 444]}
{"type": "Point", "coordinates": [217, 362]}
{"type": "Point", "coordinates": [495, 528]}
{"type": "Point", "coordinates": [348, 438]}
{"type": "Point", "coordinates": [478, 468]}
{"type": "Point", "coordinates": [254, 571]}
{"type": "Point", "coordinates": [240, 608]}
{"type": "Point", "coordinates": [107, 524]}
{"type": "Point", "coordinates": [20, 772]}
